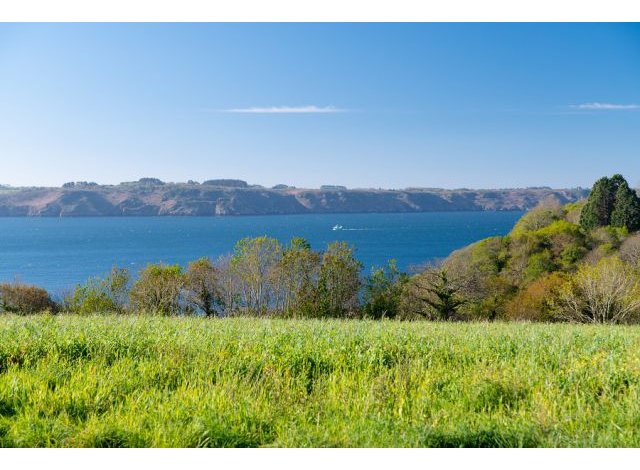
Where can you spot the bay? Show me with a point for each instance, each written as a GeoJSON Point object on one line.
{"type": "Point", "coordinates": [58, 253]}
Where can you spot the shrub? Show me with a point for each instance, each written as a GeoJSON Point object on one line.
{"type": "Point", "coordinates": [25, 299]}
{"type": "Point", "coordinates": [433, 295]}
{"type": "Point", "coordinates": [608, 292]}
{"type": "Point", "coordinates": [339, 281]}
{"type": "Point", "coordinates": [539, 264]}
{"type": "Point", "coordinates": [158, 288]}
{"type": "Point", "coordinates": [107, 294]}
{"type": "Point", "coordinates": [630, 251]}
{"type": "Point", "coordinates": [535, 302]}
{"type": "Point", "coordinates": [382, 292]}
{"type": "Point", "coordinates": [298, 277]}
{"type": "Point", "coordinates": [203, 292]}
{"type": "Point", "coordinates": [535, 219]}
{"type": "Point", "coordinates": [254, 268]}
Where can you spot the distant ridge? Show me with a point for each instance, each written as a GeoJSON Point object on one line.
{"type": "Point", "coordinates": [153, 197]}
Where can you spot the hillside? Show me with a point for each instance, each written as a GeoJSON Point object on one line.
{"type": "Point", "coordinates": [150, 197]}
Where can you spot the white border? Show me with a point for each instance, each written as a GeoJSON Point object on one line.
{"type": "Point", "coordinates": [320, 459]}
{"type": "Point", "coordinates": [317, 10]}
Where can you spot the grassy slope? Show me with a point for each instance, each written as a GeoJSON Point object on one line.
{"type": "Point", "coordinates": [136, 381]}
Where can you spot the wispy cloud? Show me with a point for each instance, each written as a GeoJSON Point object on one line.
{"type": "Point", "coordinates": [605, 106]}
{"type": "Point", "coordinates": [288, 110]}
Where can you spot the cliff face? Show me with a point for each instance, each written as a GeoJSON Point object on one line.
{"type": "Point", "coordinates": [209, 200]}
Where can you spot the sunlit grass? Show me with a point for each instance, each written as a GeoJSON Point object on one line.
{"type": "Point", "coordinates": [183, 382]}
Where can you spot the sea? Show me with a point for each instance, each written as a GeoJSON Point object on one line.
{"type": "Point", "coordinates": [59, 253]}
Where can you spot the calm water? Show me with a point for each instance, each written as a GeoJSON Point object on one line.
{"type": "Point", "coordinates": [57, 253]}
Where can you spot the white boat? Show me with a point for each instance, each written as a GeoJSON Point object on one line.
{"type": "Point", "coordinates": [337, 227]}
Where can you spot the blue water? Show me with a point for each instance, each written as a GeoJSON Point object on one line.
{"type": "Point", "coordinates": [58, 253]}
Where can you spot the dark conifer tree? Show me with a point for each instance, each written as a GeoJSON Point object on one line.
{"type": "Point", "coordinates": [597, 211]}
{"type": "Point", "coordinates": [626, 210]}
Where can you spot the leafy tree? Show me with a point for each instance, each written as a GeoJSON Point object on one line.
{"type": "Point", "coordinates": [157, 289]}
{"type": "Point", "coordinates": [382, 292]}
{"type": "Point", "coordinates": [535, 301]}
{"type": "Point", "coordinates": [101, 295]}
{"type": "Point", "coordinates": [597, 211]}
{"type": "Point", "coordinates": [254, 267]}
{"type": "Point", "coordinates": [611, 202]}
{"type": "Point", "coordinates": [626, 211]}
{"type": "Point", "coordinates": [630, 251]}
{"type": "Point", "coordinates": [608, 292]}
{"type": "Point", "coordinates": [202, 287]}
{"type": "Point", "coordinates": [434, 295]}
{"type": "Point", "coordinates": [299, 271]}
{"type": "Point", "coordinates": [339, 281]}
{"type": "Point", "coordinates": [25, 299]}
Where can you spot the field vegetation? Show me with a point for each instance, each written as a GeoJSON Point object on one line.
{"type": "Point", "coordinates": [139, 381]}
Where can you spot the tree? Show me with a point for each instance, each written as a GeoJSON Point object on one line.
{"type": "Point", "coordinates": [202, 287]}
{"type": "Point", "coordinates": [611, 202]}
{"type": "Point", "coordinates": [100, 295]}
{"type": "Point", "coordinates": [25, 299]}
{"type": "Point", "coordinates": [254, 267]}
{"type": "Point", "coordinates": [298, 275]}
{"type": "Point", "coordinates": [339, 281]}
{"type": "Point", "coordinates": [630, 251]}
{"type": "Point", "coordinates": [382, 292]}
{"type": "Point", "coordinates": [608, 292]}
{"type": "Point", "coordinates": [535, 301]}
{"type": "Point", "coordinates": [157, 289]}
{"type": "Point", "coordinates": [626, 210]}
{"type": "Point", "coordinates": [434, 295]}
{"type": "Point", "coordinates": [597, 211]}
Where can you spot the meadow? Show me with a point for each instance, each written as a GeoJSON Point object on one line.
{"type": "Point", "coordinates": [142, 381]}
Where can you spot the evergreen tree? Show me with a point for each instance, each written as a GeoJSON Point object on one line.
{"type": "Point", "coordinates": [626, 210]}
{"type": "Point", "coordinates": [600, 204]}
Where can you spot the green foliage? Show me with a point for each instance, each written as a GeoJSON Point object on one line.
{"type": "Point", "coordinates": [382, 292]}
{"type": "Point", "coordinates": [158, 289]}
{"type": "Point", "coordinates": [611, 202]}
{"type": "Point", "coordinates": [434, 295]}
{"type": "Point", "coordinates": [202, 287]}
{"type": "Point", "coordinates": [339, 281]}
{"type": "Point", "coordinates": [626, 211]}
{"type": "Point", "coordinates": [101, 295]}
{"type": "Point", "coordinates": [113, 381]}
{"type": "Point", "coordinates": [299, 271]}
{"type": "Point", "coordinates": [538, 264]}
{"type": "Point", "coordinates": [254, 264]}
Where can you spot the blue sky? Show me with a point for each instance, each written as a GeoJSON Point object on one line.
{"type": "Point", "coordinates": [363, 105]}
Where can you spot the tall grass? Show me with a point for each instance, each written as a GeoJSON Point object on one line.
{"type": "Point", "coordinates": [182, 382]}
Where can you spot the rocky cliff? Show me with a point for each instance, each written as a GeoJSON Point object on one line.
{"type": "Point", "coordinates": [192, 199]}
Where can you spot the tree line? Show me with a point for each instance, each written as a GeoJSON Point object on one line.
{"type": "Point", "coordinates": [579, 262]}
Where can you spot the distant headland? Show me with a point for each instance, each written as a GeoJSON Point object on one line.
{"type": "Point", "coordinates": [216, 197]}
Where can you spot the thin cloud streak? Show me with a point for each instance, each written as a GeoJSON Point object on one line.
{"type": "Point", "coordinates": [605, 106]}
{"type": "Point", "coordinates": [288, 110]}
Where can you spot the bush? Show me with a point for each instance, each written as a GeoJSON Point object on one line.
{"type": "Point", "coordinates": [535, 302]}
{"type": "Point", "coordinates": [382, 292]}
{"type": "Point", "coordinates": [203, 292]}
{"type": "Point", "coordinates": [25, 299]}
{"type": "Point", "coordinates": [100, 295]}
{"type": "Point", "coordinates": [339, 281]}
{"type": "Point", "coordinates": [608, 292]}
{"type": "Point", "coordinates": [158, 289]}
{"type": "Point", "coordinates": [630, 251]}
{"type": "Point", "coordinates": [435, 295]}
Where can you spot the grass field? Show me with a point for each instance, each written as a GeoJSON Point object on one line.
{"type": "Point", "coordinates": [183, 382]}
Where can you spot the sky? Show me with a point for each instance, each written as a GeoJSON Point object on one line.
{"type": "Point", "coordinates": [360, 105]}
